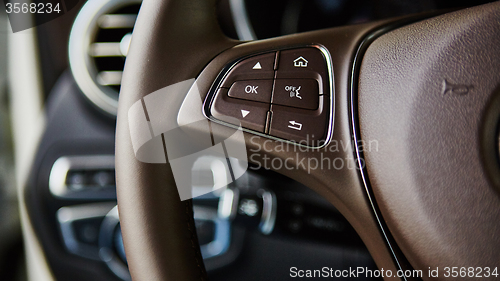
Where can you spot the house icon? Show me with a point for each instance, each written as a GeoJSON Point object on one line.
{"type": "Point", "coordinates": [300, 62]}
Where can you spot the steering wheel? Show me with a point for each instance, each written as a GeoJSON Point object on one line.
{"type": "Point", "coordinates": [424, 90]}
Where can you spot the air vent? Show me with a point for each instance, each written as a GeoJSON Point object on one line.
{"type": "Point", "coordinates": [99, 43]}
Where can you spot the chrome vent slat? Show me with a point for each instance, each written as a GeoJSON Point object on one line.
{"type": "Point", "coordinates": [105, 49]}
{"type": "Point", "coordinates": [117, 21]}
{"type": "Point", "coordinates": [109, 78]}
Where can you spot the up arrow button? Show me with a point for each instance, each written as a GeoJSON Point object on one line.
{"type": "Point", "coordinates": [258, 67]}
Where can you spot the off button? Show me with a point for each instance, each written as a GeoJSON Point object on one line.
{"type": "Point", "coordinates": [252, 90]}
{"type": "Point", "coordinates": [301, 93]}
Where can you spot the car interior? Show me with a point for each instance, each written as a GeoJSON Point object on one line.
{"type": "Point", "coordinates": [250, 140]}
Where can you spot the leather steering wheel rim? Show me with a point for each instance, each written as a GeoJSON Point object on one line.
{"type": "Point", "coordinates": [178, 40]}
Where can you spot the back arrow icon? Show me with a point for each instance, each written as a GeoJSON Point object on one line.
{"type": "Point", "coordinates": [295, 125]}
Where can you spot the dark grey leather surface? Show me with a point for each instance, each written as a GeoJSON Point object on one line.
{"type": "Point", "coordinates": [424, 90]}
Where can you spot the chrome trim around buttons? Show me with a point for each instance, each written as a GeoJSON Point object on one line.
{"type": "Point", "coordinates": [209, 100]}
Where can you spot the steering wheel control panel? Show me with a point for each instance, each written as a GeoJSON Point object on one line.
{"type": "Point", "coordinates": [284, 94]}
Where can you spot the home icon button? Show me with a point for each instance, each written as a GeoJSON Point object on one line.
{"type": "Point", "coordinates": [300, 62]}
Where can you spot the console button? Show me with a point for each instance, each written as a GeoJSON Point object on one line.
{"type": "Point", "coordinates": [301, 93]}
{"type": "Point", "coordinates": [307, 127]}
{"type": "Point", "coordinates": [301, 63]}
{"type": "Point", "coordinates": [251, 115]}
{"type": "Point", "coordinates": [285, 94]}
{"type": "Point", "coordinates": [256, 67]}
{"type": "Point", "coordinates": [253, 90]}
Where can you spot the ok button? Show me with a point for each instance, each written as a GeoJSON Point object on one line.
{"type": "Point", "coordinates": [249, 89]}
{"type": "Point", "coordinates": [254, 90]}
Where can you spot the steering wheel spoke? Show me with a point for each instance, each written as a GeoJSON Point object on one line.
{"type": "Point", "coordinates": [190, 91]}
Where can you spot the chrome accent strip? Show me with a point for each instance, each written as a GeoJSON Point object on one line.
{"type": "Point", "coordinates": [222, 237]}
{"type": "Point", "coordinates": [61, 167]}
{"type": "Point", "coordinates": [268, 219]}
{"type": "Point", "coordinates": [228, 204]}
{"type": "Point", "coordinates": [215, 248]}
{"type": "Point", "coordinates": [107, 251]}
{"type": "Point", "coordinates": [241, 21]}
{"type": "Point", "coordinates": [353, 112]}
{"type": "Point", "coordinates": [362, 170]}
{"type": "Point", "coordinates": [66, 216]}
